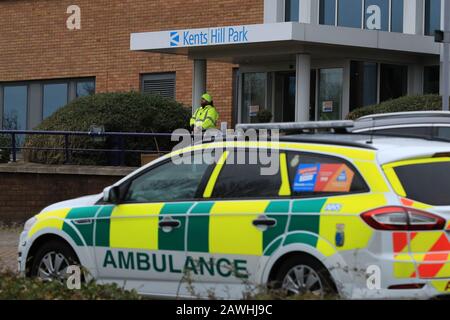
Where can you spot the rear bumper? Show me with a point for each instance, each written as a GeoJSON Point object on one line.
{"type": "Point", "coordinates": [432, 290]}
{"type": "Point", "coordinates": [384, 276]}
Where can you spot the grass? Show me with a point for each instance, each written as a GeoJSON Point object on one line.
{"type": "Point", "coordinates": [14, 287]}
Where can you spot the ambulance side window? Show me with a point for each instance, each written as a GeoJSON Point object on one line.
{"type": "Point", "coordinates": [238, 181]}
{"type": "Point", "coordinates": [314, 175]}
{"type": "Point", "coordinates": [168, 182]}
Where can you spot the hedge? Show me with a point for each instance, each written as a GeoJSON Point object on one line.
{"type": "Point", "coordinates": [13, 287]}
{"type": "Point", "coordinates": [116, 112]}
{"type": "Point", "coordinates": [403, 104]}
{"type": "Point", "coordinates": [5, 143]}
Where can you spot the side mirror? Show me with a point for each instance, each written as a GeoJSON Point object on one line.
{"type": "Point", "coordinates": [111, 195]}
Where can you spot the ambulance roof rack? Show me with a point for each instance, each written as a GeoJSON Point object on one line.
{"type": "Point", "coordinates": [299, 126]}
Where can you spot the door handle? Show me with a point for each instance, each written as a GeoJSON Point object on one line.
{"type": "Point", "coordinates": [169, 223]}
{"type": "Point", "coordinates": [83, 221]}
{"type": "Point", "coordinates": [264, 221]}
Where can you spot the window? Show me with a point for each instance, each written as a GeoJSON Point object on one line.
{"type": "Point", "coordinates": [85, 88]}
{"type": "Point", "coordinates": [364, 90]}
{"type": "Point", "coordinates": [443, 133]}
{"type": "Point", "coordinates": [349, 13]}
{"type": "Point", "coordinates": [418, 132]}
{"type": "Point", "coordinates": [384, 15]}
{"type": "Point", "coordinates": [327, 12]}
{"type": "Point", "coordinates": [397, 15]}
{"type": "Point", "coordinates": [363, 84]}
{"type": "Point", "coordinates": [431, 79]}
{"type": "Point", "coordinates": [292, 10]}
{"type": "Point", "coordinates": [432, 16]}
{"type": "Point", "coordinates": [393, 81]}
{"type": "Point", "coordinates": [376, 15]}
{"type": "Point", "coordinates": [316, 175]}
{"type": "Point", "coordinates": [330, 93]}
{"type": "Point", "coordinates": [55, 96]}
{"type": "Point", "coordinates": [25, 113]}
{"type": "Point", "coordinates": [427, 183]}
{"type": "Point", "coordinates": [15, 104]}
{"type": "Point", "coordinates": [245, 180]}
{"type": "Point", "coordinates": [162, 84]}
{"type": "Point", "coordinates": [167, 182]}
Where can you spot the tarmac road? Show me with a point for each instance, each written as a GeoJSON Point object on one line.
{"type": "Point", "coordinates": [9, 240]}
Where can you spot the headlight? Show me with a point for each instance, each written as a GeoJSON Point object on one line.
{"type": "Point", "coordinates": [29, 224]}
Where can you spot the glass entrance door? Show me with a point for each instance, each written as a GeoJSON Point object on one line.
{"type": "Point", "coordinates": [284, 97]}
{"type": "Point", "coordinates": [330, 94]}
{"type": "Point", "coordinates": [254, 95]}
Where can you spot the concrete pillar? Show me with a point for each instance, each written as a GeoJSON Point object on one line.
{"type": "Point", "coordinates": [314, 13]}
{"type": "Point", "coordinates": [305, 11]}
{"type": "Point", "coordinates": [309, 11]}
{"type": "Point", "coordinates": [303, 86]}
{"type": "Point", "coordinates": [198, 82]}
{"type": "Point", "coordinates": [273, 11]}
{"type": "Point", "coordinates": [413, 16]}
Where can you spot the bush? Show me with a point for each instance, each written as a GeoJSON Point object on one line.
{"type": "Point", "coordinates": [5, 142]}
{"type": "Point", "coordinates": [264, 116]}
{"type": "Point", "coordinates": [403, 104]}
{"type": "Point", "coordinates": [116, 112]}
{"type": "Point", "coordinates": [13, 287]}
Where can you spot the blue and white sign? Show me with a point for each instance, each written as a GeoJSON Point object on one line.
{"type": "Point", "coordinates": [306, 177]}
{"type": "Point", "coordinates": [214, 36]}
{"type": "Point", "coordinates": [342, 177]}
{"type": "Point", "coordinates": [173, 39]}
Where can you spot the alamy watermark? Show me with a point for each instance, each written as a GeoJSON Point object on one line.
{"type": "Point", "coordinates": [373, 273]}
{"type": "Point", "coordinates": [250, 147]}
{"type": "Point", "coordinates": [73, 22]}
{"type": "Point", "coordinates": [73, 281]}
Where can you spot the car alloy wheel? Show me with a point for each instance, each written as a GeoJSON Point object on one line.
{"type": "Point", "coordinates": [53, 266]}
{"type": "Point", "coordinates": [302, 279]}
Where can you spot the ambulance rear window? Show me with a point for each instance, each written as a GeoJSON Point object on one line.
{"type": "Point", "coordinates": [426, 182]}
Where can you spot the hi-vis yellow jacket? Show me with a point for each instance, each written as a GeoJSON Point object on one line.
{"type": "Point", "coordinates": [205, 117]}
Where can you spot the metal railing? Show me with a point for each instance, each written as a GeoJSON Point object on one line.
{"type": "Point", "coordinates": [119, 138]}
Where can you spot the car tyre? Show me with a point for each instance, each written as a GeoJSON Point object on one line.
{"type": "Point", "coordinates": [304, 275]}
{"type": "Point", "coordinates": [52, 260]}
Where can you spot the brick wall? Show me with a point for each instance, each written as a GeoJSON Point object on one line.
{"type": "Point", "coordinates": [35, 43]}
{"type": "Point", "coordinates": [26, 189]}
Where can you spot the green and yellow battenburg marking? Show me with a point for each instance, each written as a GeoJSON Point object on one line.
{"type": "Point", "coordinates": [62, 219]}
{"type": "Point", "coordinates": [216, 227]}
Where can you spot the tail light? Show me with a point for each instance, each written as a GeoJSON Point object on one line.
{"type": "Point", "coordinates": [402, 219]}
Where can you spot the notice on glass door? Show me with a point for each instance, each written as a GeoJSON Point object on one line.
{"type": "Point", "coordinates": [253, 111]}
{"type": "Point", "coordinates": [327, 106]}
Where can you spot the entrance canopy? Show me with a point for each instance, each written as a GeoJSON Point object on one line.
{"type": "Point", "coordinates": [245, 43]}
{"type": "Point", "coordinates": [298, 44]}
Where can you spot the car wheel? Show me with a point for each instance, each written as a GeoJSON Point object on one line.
{"type": "Point", "coordinates": [52, 260]}
{"type": "Point", "coordinates": [304, 276]}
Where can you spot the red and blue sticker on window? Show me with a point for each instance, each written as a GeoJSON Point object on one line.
{"type": "Point", "coordinates": [323, 177]}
